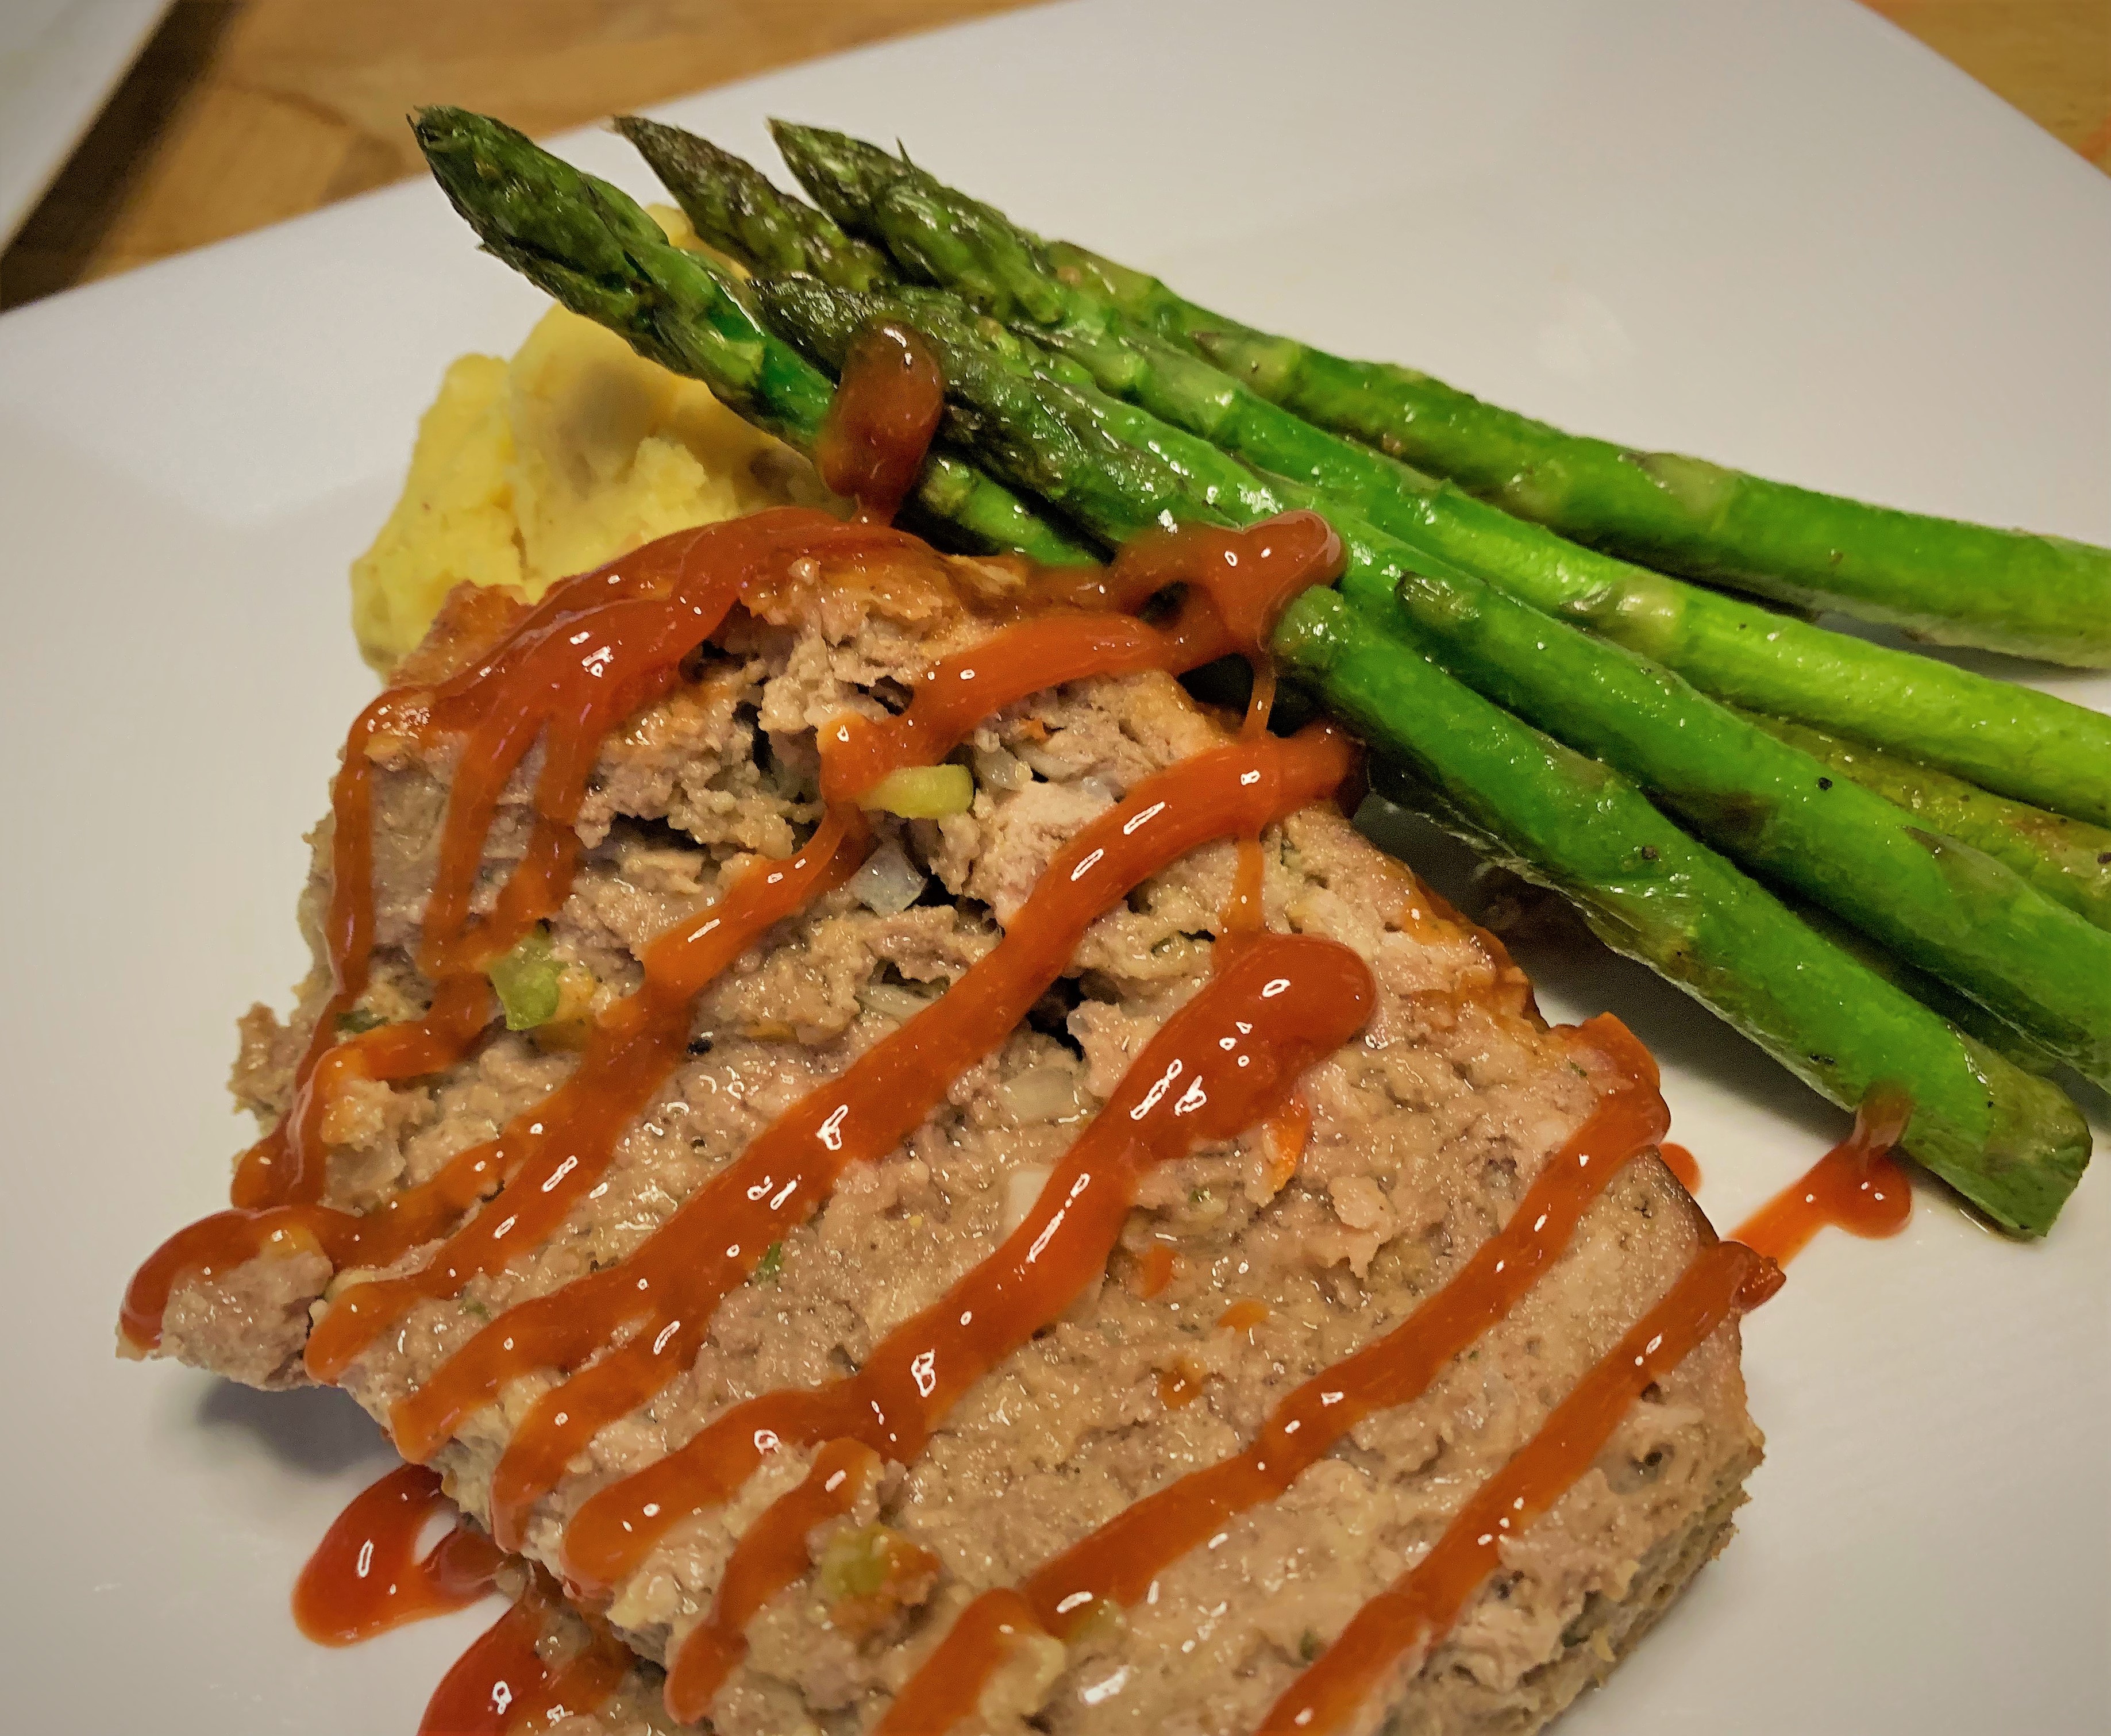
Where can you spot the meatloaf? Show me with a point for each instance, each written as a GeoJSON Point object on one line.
{"type": "Point", "coordinates": [1424, 1132]}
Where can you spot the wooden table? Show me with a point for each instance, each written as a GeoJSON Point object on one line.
{"type": "Point", "coordinates": [243, 112]}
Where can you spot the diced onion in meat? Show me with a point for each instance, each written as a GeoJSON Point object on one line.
{"type": "Point", "coordinates": [891, 1000]}
{"type": "Point", "coordinates": [996, 770]}
{"type": "Point", "coordinates": [922, 792]}
{"type": "Point", "coordinates": [889, 883]}
{"type": "Point", "coordinates": [1041, 1094]}
{"type": "Point", "coordinates": [1021, 1188]}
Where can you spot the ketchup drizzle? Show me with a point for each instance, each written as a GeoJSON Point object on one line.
{"type": "Point", "coordinates": [1279, 1005]}
{"type": "Point", "coordinates": [1858, 1185]}
{"type": "Point", "coordinates": [1682, 1164]}
{"type": "Point", "coordinates": [1423, 1604]}
{"type": "Point", "coordinates": [1239, 789]}
{"type": "Point", "coordinates": [366, 1577]}
{"type": "Point", "coordinates": [885, 410]}
{"type": "Point", "coordinates": [1119, 1560]}
{"type": "Point", "coordinates": [770, 1556]}
{"type": "Point", "coordinates": [669, 1287]}
{"type": "Point", "coordinates": [597, 648]}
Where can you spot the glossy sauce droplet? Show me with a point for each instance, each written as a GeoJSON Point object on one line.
{"type": "Point", "coordinates": [880, 421]}
{"type": "Point", "coordinates": [1857, 1186]}
{"type": "Point", "coordinates": [365, 1575]}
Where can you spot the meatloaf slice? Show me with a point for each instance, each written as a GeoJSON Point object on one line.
{"type": "Point", "coordinates": [1423, 1133]}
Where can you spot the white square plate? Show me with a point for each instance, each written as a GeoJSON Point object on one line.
{"type": "Point", "coordinates": [1779, 234]}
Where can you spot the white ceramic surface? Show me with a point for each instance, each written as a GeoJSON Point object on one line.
{"type": "Point", "coordinates": [59, 62]}
{"type": "Point", "coordinates": [1780, 234]}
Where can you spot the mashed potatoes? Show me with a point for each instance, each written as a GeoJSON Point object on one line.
{"type": "Point", "coordinates": [526, 472]}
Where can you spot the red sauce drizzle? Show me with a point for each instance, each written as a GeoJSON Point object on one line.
{"type": "Point", "coordinates": [1278, 1006]}
{"type": "Point", "coordinates": [1237, 583]}
{"type": "Point", "coordinates": [771, 1556]}
{"type": "Point", "coordinates": [1423, 1604]}
{"type": "Point", "coordinates": [1682, 1164]}
{"type": "Point", "coordinates": [366, 1576]}
{"type": "Point", "coordinates": [559, 1150]}
{"type": "Point", "coordinates": [1857, 1186]}
{"type": "Point", "coordinates": [596, 649]}
{"type": "Point", "coordinates": [669, 1287]}
{"type": "Point", "coordinates": [501, 1685]}
{"type": "Point", "coordinates": [880, 421]}
{"type": "Point", "coordinates": [1119, 1560]}
{"type": "Point", "coordinates": [1232, 596]}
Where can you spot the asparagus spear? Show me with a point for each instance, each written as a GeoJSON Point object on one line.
{"type": "Point", "coordinates": [591, 247]}
{"type": "Point", "coordinates": [2012, 1144]}
{"type": "Point", "coordinates": [1937, 997]}
{"type": "Point", "coordinates": [1941, 579]}
{"type": "Point", "coordinates": [732, 207]}
{"type": "Point", "coordinates": [1951, 909]}
{"type": "Point", "coordinates": [2016, 740]}
{"type": "Point", "coordinates": [2063, 858]}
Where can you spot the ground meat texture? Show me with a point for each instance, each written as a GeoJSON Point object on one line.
{"type": "Point", "coordinates": [1424, 1132]}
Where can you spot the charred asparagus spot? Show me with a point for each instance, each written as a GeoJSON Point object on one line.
{"type": "Point", "coordinates": [1139, 342]}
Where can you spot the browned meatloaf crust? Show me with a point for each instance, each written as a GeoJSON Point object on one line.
{"type": "Point", "coordinates": [1425, 1130]}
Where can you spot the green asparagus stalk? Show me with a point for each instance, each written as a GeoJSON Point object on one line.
{"type": "Point", "coordinates": [1951, 909]}
{"type": "Point", "coordinates": [2022, 743]}
{"type": "Point", "coordinates": [2063, 858]}
{"type": "Point", "coordinates": [1937, 997]}
{"type": "Point", "coordinates": [2011, 1143]}
{"type": "Point", "coordinates": [733, 207]}
{"type": "Point", "coordinates": [591, 247]}
{"type": "Point", "coordinates": [1941, 579]}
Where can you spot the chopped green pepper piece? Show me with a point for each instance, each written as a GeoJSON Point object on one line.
{"type": "Point", "coordinates": [526, 981]}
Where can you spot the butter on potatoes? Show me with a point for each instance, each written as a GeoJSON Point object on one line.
{"type": "Point", "coordinates": [526, 472]}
